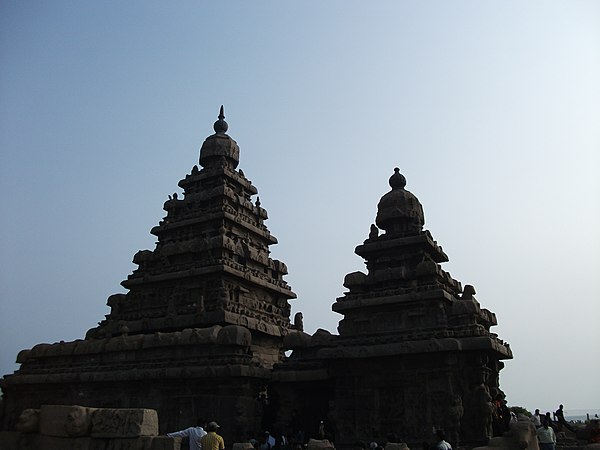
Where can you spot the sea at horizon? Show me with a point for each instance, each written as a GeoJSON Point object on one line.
{"type": "Point", "coordinates": [581, 414]}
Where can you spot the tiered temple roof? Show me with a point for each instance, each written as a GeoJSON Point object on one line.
{"type": "Point", "coordinates": [406, 295]}
{"type": "Point", "coordinates": [211, 264]}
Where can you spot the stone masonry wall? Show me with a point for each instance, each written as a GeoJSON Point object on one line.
{"type": "Point", "coordinates": [60, 427]}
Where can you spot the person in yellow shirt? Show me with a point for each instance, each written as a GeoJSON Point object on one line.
{"type": "Point", "coordinates": [212, 441]}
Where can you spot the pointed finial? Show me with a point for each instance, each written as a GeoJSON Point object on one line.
{"type": "Point", "coordinates": [397, 180]}
{"type": "Point", "coordinates": [220, 125]}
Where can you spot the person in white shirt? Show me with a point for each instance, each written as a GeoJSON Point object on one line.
{"type": "Point", "coordinates": [194, 434]}
{"type": "Point", "coordinates": [546, 437]}
{"type": "Point", "coordinates": [536, 419]}
{"type": "Point", "coordinates": [442, 444]}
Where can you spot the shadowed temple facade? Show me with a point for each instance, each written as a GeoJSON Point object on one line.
{"type": "Point", "coordinates": [204, 330]}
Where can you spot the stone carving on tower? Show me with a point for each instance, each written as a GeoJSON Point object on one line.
{"type": "Point", "coordinates": [211, 264]}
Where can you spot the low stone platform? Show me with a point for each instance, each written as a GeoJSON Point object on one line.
{"type": "Point", "coordinates": [61, 427]}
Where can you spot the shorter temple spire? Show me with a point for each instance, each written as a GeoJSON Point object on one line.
{"type": "Point", "coordinates": [220, 125]}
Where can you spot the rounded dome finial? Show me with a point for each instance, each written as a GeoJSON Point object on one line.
{"type": "Point", "coordinates": [397, 180]}
{"type": "Point", "coordinates": [219, 150]}
{"type": "Point", "coordinates": [220, 125]}
{"type": "Point", "coordinates": [399, 212]}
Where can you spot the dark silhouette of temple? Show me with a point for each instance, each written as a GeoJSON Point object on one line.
{"type": "Point", "coordinates": [205, 325]}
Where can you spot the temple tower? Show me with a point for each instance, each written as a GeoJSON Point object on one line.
{"type": "Point", "coordinates": [202, 323]}
{"type": "Point", "coordinates": [211, 264]}
{"type": "Point", "coordinates": [414, 351]}
{"type": "Point", "coordinates": [405, 294]}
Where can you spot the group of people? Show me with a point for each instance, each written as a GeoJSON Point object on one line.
{"type": "Point", "coordinates": [547, 428]}
{"type": "Point", "coordinates": [546, 425]}
{"type": "Point", "coordinates": [270, 442]}
{"type": "Point", "coordinates": [204, 435]}
{"type": "Point", "coordinates": [392, 438]}
{"type": "Point", "coordinates": [200, 438]}
{"type": "Point", "coordinates": [557, 424]}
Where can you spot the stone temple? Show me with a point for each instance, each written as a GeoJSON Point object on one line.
{"type": "Point", "coordinates": [204, 329]}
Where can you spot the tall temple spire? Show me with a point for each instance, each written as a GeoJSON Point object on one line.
{"type": "Point", "coordinates": [220, 125]}
{"type": "Point", "coordinates": [211, 265]}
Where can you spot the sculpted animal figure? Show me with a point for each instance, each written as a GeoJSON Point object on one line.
{"type": "Point", "coordinates": [468, 292]}
{"type": "Point", "coordinates": [29, 421]}
{"type": "Point", "coordinates": [298, 322]}
{"type": "Point", "coordinates": [79, 421]}
{"type": "Point", "coordinates": [521, 436]}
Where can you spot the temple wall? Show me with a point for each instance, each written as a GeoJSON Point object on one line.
{"type": "Point", "coordinates": [230, 401]}
{"type": "Point", "coordinates": [411, 395]}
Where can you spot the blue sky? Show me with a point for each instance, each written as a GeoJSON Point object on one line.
{"type": "Point", "coordinates": [490, 109]}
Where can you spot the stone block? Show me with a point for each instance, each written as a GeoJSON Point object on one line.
{"type": "Point", "coordinates": [98, 444]}
{"type": "Point", "coordinates": [139, 443]}
{"type": "Point", "coordinates": [29, 441]}
{"type": "Point", "coordinates": [9, 440]}
{"type": "Point", "coordinates": [64, 443]}
{"type": "Point", "coordinates": [166, 443]}
{"type": "Point", "coordinates": [65, 420]}
{"type": "Point", "coordinates": [234, 335]}
{"type": "Point", "coordinates": [124, 423]}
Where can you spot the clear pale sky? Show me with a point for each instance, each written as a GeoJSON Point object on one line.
{"type": "Point", "coordinates": [491, 110]}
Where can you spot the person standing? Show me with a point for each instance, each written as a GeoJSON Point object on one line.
{"type": "Point", "coordinates": [270, 439]}
{"type": "Point", "coordinates": [559, 416]}
{"type": "Point", "coordinates": [281, 441]}
{"type": "Point", "coordinates": [536, 419]}
{"type": "Point", "coordinates": [498, 416]}
{"type": "Point", "coordinates": [548, 419]}
{"type": "Point", "coordinates": [546, 437]}
{"type": "Point", "coordinates": [268, 442]}
{"type": "Point", "coordinates": [442, 444]}
{"type": "Point", "coordinates": [194, 434]}
{"type": "Point", "coordinates": [211, 440]}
